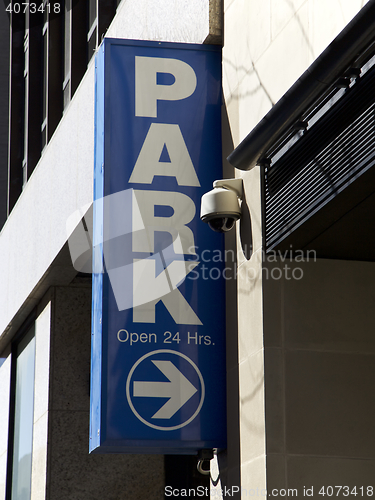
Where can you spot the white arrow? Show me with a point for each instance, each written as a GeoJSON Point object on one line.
{"type": "Point", "coordinates": [179, 390]}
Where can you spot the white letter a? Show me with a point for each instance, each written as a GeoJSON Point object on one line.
{"type": "Point", "coordinates": [148, 163]}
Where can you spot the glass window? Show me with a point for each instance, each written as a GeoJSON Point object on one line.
{"type": "Point", "coordinates": [67, 51]}
{"type": "Point", "coordinates": [67, 38]}
{"type": "Point", "coordinates": [26, 102]}
{"type": "Point", "coordinates": [45, 79]}
{"type": "Point", "coordinates": [93, 28]}
{"type": "Point", "coordinates": [92, 13]}
{"type": "Point", "coordinates": [23, 418]}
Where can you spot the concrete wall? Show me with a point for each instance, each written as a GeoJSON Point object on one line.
{"type": "Point", "coordinates": [319, 374]}
{"type": "Point", "coordinates": [34, 256]}
{"type": "Point", "coordinates": [62, 182]}
{"type": "Point", "coordinates": [35, 231]}
{"type": "Point", "coordinates": [41, 401]}
{"type": "Point", "coordinates": [268, 44]}
{"type": "Point", "coordinates": [61, 465]}
{"type": "Point", "coordinates": [170, 20]}
{"type": "Point", "coordinates": [71, 472]}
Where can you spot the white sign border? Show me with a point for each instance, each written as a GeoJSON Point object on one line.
{"type": "Point", "coordinates": [158, 427]}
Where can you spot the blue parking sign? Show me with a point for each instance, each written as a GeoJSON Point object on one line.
{"type": "Point", "coordinates": [158, 371]}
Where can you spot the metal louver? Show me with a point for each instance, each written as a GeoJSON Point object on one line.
{"type": "Point", "coordinates": [331, 154]}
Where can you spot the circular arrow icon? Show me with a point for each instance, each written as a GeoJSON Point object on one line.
{"type": "Point", "coordinates": [170, 384]}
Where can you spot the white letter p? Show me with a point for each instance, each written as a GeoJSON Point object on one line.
{"type": "Point", "coordinates": [148, 91]}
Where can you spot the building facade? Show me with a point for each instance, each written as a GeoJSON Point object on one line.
{"type": "Point", "coordinates": [300, 301]}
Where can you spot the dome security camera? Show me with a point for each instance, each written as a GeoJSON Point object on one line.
{"type": "Point", "coordinates": [220, 207]}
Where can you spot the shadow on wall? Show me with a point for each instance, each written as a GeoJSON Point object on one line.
{"type": "Point", "coordinates": [227, 473]}
{"type": "Point", "coordinates": [246, 236]}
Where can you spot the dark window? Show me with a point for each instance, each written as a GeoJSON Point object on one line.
{"type": "Point", "coordinates": [26, 100]}
{"type": "Point", "coordinates": [50, 51]}
{"type": "Point", "coordinates": [92, 35]}
{"type": "Point", "coordinates": [4, 112]}
{"type": "Point", "coordinates": [67, 52]}
{"type": "Point", "coordinates": [45, 81]}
